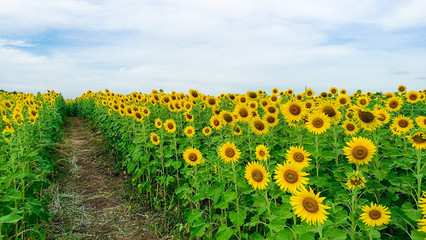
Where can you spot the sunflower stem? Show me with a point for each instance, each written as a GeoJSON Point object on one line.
{"type": "Point", "coordinates": [268, 208]}
{"type": "Point", "coordinates": [236, 190]}
{"type": "Point", "coordinates": [353, 209]}
{"type": "Point", "coordinates": [419, 175]}
{"type": "Point", "coordinates": [317, 157]}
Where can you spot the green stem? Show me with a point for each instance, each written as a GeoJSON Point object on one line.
{"type": "Point", "coordinates": [268, 208]}
{"type": "Point", "coordinates": [419, 175]}
{"type": "Point", "coordinates": [353, 209]}
{"type": "Point", "coordinates": [317, 157]}
{"type": "Point", "coordinates": [236, 190]}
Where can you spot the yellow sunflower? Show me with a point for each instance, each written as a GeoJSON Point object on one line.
{"type": "Point", "coordinates": [271, 109]}
{"type": "Point", "coordinates": [343, 100]}
{"type": "Point", "coordinates": [262, 152]}
{"type": "Point", "coordinates": [290, 177]}
{"type": "Point", "coordinates": [421, 121]}
{"type": "Point", "coordinates": [317, 122]}
{"type": "Point", "coordinates": [402, 89]}
{"type": "Point", "coordinates": [383, 115]}
{"type": "Point", "coordinates": [293, 110]}
{"type": "Point", "coordinates": [137, 116]}
{"type": "Point", "coordinates": [309, 93]}
{"type": "Point", "coordinates": [207, 131]}
{"type": "Point", "coordinates": [158, 123]}
{"type": "Point", "coordinates": [270, 119]}
{"type": "Point", "coordinates": [422, 203]}
{"type": "Point", "coordinates": [229, 153]}
{"type": "Point", "coordinates": [394, 104]}
{"type": "Point", "coordinates": [367, 119]}
{"type": "Point", "coordinates": [155, 139]}
{"type": "Point", "coordinates": [308, 206]}
{"type": "Point", "coordinates": [192, 156]}
{"type": "Point", "coordinates": [355, 181]}
{"type": "Point", "coordinates": [331, 109]}
{"type": "Point", "coordinates": [375, 215]}
{"type": "Point", "coordinates": [422, 225]}
{"type": "Point", "coordinates": [188, 117]}
{"type": "Point", "coordinates": [402, 124]}
{"type": "Point", "coordinates": [413, 96]}
{"type": "Point", "coordinates": [418, 139]}
{"type": "Point", "coordinates": [256, 175]}
{"type": "Point", "coordinates": [243, 113]}
{"type": "Point", "coordinates": [189, 131]}
{"type": "Point", "coordinates": [227, 117]}
{"type": "Point", "coordinates": [170, 125]}
{"type": "Point", "coordinates": [363, 101]}
{"type": "Point", "coordinates": [258, 126]}
{"type": "Point", "coordinates": [351, 128]}
{"type": "Point", "coordinates": [215, 122]}
{"type": "Point", "coordinates": [359, 151]}
{"type": "Point", "coordinates": [212, 102]}
{"type": "Point", "coordinates": [334, 90]}
{"type": "Point", "coordinates": [238, 131]}
{"type": "Point", "coordinates": [298, 157]}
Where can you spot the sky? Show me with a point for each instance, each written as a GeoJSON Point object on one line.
{"type": "Point", "coordinates": [214, 46]}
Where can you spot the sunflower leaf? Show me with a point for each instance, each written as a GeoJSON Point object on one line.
{"type": "Point", "coordinates": [238, 218]}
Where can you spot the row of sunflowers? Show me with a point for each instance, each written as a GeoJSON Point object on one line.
{"type": "Point", "coordinates": [275, 166]}
{"type": "Point", "coordinates": [30, 125]}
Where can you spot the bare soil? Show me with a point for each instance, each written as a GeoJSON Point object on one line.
{"type": "Point", "coordinates": [89, 199]}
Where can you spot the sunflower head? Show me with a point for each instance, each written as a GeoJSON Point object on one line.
{"type": "Point", "coordinates": [227, 117]}
{"type": "Point", "coordinates": [189, 131]}
{"type": "Point", "coordinates": [155, 139]}
{"type": "Point", "coordinates": [290, 177]}
{"type": "Point", "coordinates": [394, 104]}
{"type": "Point", "coordinates": [375, 215]}
{"type": "Point", "coordinates": [308, 206]}
{"type": "Point", "coordinates": [355, 180]}
{"type": "Point", "coordinates": [229, 153]}
{"type": "Point", "coordinates": [243, 112]}
{"type": "Point", "coordinates": [402, 124]}
{"type": "Point", "coordinates": [413, 96]}
{"type": "Point", "coordinates": [207, 131]}
{"type": "Point", "coordinates": [170, 125]}
{"type": "Point", "coordinates": [258, 126]}
{"type": "Point", "coordinates": [298, 157]}
{"type": "Point", "coordinates": [192, 156]}
{"type": "Point", "coordinates": [256, 175]}
{"type": "Point", "coordinates": [359, 151]}
{"type": "Point", "coordinates": [262, 152]}
{"type": "Point", "coordinates": [418, 139]}
{"type": "Point", "coordinates": [215, 122]}
{"type": "Point", "coordinates": [317, 122]}
{"type": "Point", "coordinates": [402, 89]}
{"type": "Point", "coordinates": [351, 128]}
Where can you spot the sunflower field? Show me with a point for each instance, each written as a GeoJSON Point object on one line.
{"type": "Point", "coordinates": [273, 166]}
{"type": "Point", "coordinates": [30, 127]}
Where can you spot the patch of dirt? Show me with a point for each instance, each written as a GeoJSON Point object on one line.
{"type": "Point", "coordinates": [88, 201]}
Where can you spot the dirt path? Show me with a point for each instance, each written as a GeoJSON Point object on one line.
{"type": "Point", "coordinates": [89, 201]}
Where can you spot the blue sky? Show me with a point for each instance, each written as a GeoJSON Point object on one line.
{"type": "Point", "coordinates": [213, 46]}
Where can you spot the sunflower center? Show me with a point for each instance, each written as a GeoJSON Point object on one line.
{"type": "Point", "coordinates": [259, 125]}
{"type": "Point", "coordinates": [192, 157]}
{"type": "Point", "coordinates": [291, 176]}
{"type": "Point", "coordinates": [374, 214]}
{"type": "Point", "coordinates": [350, 127]}
{"type": "Point", "coordinates": [318, 122]}
{"type": "Point", "coordinates": [207, 130]}
{"type": "Point", "coordinates": [272, 109]}
{"type": "Point", "coordinates": [310, 205]}
{"type": "Point", "coordinates": [308, 105]}
{"type": "Point", "coordinates": [212, 101]}
{"type": "Point", "coordinates": [418, 138]}
{"type": "Point", "coordinates": [298, 157]}
{"type": "Point", "coordinates": [366, 116]}
{"type": "Point", "coordinates": [413, 97]}
{"type": "Point", "coordinates": [393, 104]}
{"type": "Point", "coordinates": [401, 89]}
{"type": "Point", "coordinates": [155, 138]}
{"type": "Point", "coordinates": [243, 112]}
{"type": "Point", "coordinates": [356, 181]}
{"type": "Point", "coordinates": [252, 95]}
{"type": "Point", "coordinates": [257, 175]}
{"type": "Point", "coordinates": [189, 131]}
{"type": "Point", "coordinates": [382, 117]}
{"type": "Point", "coordinates": [227, 117]}
{"type": "Point", "coordinates": [189, 116]}
{"type": "Point", "coordinates": [274, 98]}
{"type": "Point", "coordinates": [170, 126]}
{"type": "Point", "coordinates": [138, 115]}
{"type": "Point", "coordinates": [295, 109]}
{"type": "Point", "coordinates": [343, 101]}
{"type": "Point", "coordinates": [262, 153]}
{"type": "Point", "coordinates": [270, 119]}
{"type": "Point", "coordinates": [230, 152]}
{"type": "Point", "coordinates": [360, 152]}
{"type": "Point", "coordinates": [403, 123]}
{"type": "Point", "coordinates": [329, 111]}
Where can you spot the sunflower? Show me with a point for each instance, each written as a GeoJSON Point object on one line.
{"type": "Point", "coordinates": [359, 151]}
{"type": "Point", "coordinates": [192, 156]}
{"type": "Point", "coordinates": [308, 206]}
{"type": "Point", "coordinates": [290, 177]}
{"type": "Point", "coordinates": [256, 175]}
{"type": "Point", "coordinates": [298, 157]}
{"type": "Point", "coordinates": [170, 125]}
{"type": "Point", "coordinates": [137, 116]}
{"type": "Point", "coordinates": [401, 124]}
{"type": "Point", "coordinates": [375, 215]}
{"type": "Point", "coordinates": [158, 123]}
{"type": "Point", "coordinates": [155, 139]}
{"type": "Point", "coordinates": [274, 99]}
{"type": "Point", "coordinates": [188, 117]}
{"type": "Point", "coordinates": [317, 122]}
{"type": "Point", "coordinates": [422, 225]}
{"type": "Point", "coordinates": [228, 152]}
{"type": "Point", "coordinates": [215, 122]}
{"type": "Point", "coordinates": [309, 93]}
{"type": "Point", "coordinates": [334, 90]}
{"type": "Point", "coordinates": [263, 102]}
{"type": "Point", "coordinates": [331, 109]}
{"type": "Point", "coordinates": [271, 109]}
{"type": "Point", "coordinates": [421, 122]}
{"type": "Point", "coordinates": [383, 115]}
{"type": "Point", "coordinates": [289, 92]}
{"type": "Point", "coordinates": [252, 95]}
{"type": "Point", "coordinates": [189, 131]}
{"type": "Point", "coordinates": [252, 105]}
{"type": "Point", "coordinates": [293, 110]}
{"type": "Point", "coordinates": [258, 126]}
{"type": "Point", "coordinates": [402, 89]}
{"type": "Point", "coordinates": [355, 181]}
{"type": "Point", "coordinates": [207, 131]}
{"type": "Point", "coordinates": [413, 96]}
{"type": "Point", "coordinates": [363, 101]}
{"type": "Point", "coordinates": [343, 100]}
{"type": "Point", "coordinates": [367, 119]}
{"type": "Point", "coordinates": [274, 90]}
{"type": "Point", "coordinates": [227, 117]}
{"type": "Point", "coordinates": [351, 128]}
{"type": "Point", "coordinates": [262, 152]}
{"type": "Point", "coordinates": [418, 139]}
{"type": "Point", "coordinates": [394, 104]}
{"type": "Point", "coordinates": [212, 102]}
{"type": "Point", "coordinates": [422, 203]}
{"type": "Point", "coordinates": [238, 131]}
{"type": "Point", "coordinates": [243, 113]}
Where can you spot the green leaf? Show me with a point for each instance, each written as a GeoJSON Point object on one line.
{"type": "Point", "coordinates": [285, 234]}
{"type": "Point", "coordinates": [193, 216]}
{"type": "Point", "coordinates": [277, 225]}
{"type": "Point", "coordinates": [10, 218]}
{"type": "Point", "coordinates": [224, 233]}
{"type": "Point", "coordinates": [307, 236]}
{"type": "Point", "coordinates": [416, 235]}
{"type": "Point", "coordinates": [238, 218]}
{"type": "Point", "coordinates": [335, 234]}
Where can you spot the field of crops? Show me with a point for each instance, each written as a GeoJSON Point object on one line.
{"type": "Point", "coordinates": [276, 165]}
{"type": "Point", "coordinates": [259, 165]}
{"type": "Point", "coordinates": [30, 127]}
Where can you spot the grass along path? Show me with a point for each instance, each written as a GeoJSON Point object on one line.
{"type": "Point", "coordinates": [89, 198]}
